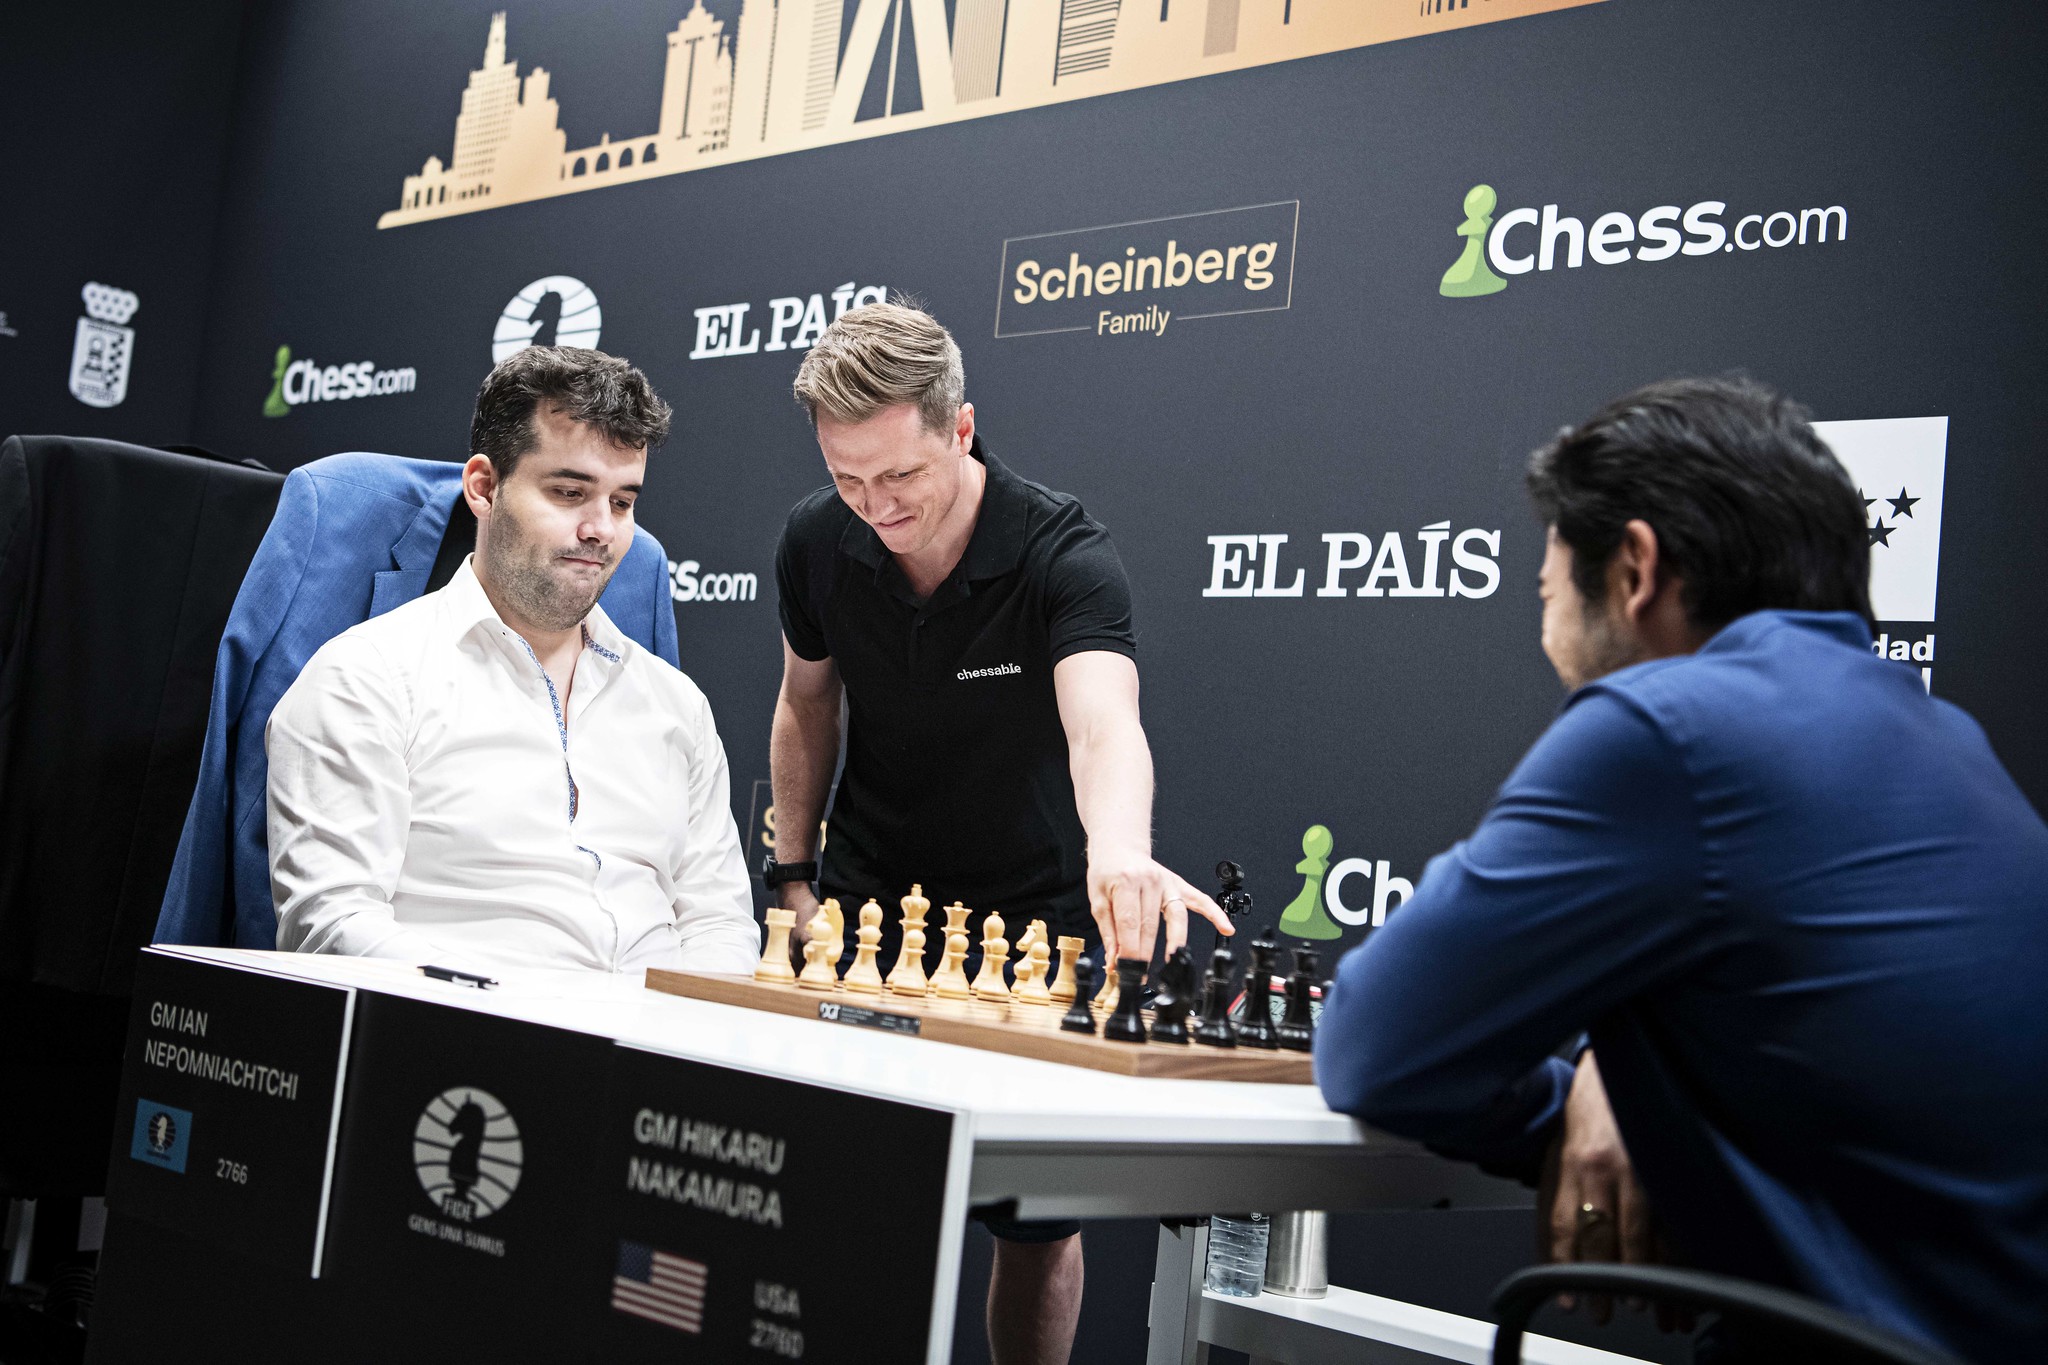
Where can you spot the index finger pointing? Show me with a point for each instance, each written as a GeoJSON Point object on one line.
{"type": "Point", "coordinates": [1207, 909]}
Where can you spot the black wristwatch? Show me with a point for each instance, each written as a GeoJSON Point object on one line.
{"type": "Point", "coordinates": [774, 874]}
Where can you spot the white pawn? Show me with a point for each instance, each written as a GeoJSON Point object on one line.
{"type": "Point", "coordinates": [820, 957]}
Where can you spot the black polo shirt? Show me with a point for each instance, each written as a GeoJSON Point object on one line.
{"type": "Point", "coordinates": [955, 769]}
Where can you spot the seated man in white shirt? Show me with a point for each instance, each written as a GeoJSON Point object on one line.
{"type": "Point", "coordinates": [493, 776]}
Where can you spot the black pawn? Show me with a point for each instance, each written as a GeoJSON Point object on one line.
{"type": "Point", "coordinates": [1235, 900]}
{"type": "Point", "coordinates": [1216, 1030]}
{"type": "Point", "coordinates": [1175, 999]}
{"type": "Point", "coordinates": [1297, 1029]}
{"type": "Point", "coordinates": [1126, 1023]}
{"type": "Point", "coordinates": [1078, 1018]}
{"type": "Point", "coordinates": [1256, 1028]}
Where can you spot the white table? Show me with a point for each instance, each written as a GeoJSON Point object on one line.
{"type": "Point", "coordinates": [1057, 1141]}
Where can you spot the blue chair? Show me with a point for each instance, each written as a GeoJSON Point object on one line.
{"type": "Point", "coordinates": [354, 536]}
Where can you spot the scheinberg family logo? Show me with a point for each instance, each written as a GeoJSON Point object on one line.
{"type": "Point", "coordinates": [1525, 239]}
{"type": "Point", "coordinates": [1138, 279]}
{"type": "Point", "coordinates": [294, 382]}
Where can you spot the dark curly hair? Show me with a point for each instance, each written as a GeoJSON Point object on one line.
{"type": "Point", "coordinates": [583, 385]}
{"type": "Point", "coordinates": [1751, 510]}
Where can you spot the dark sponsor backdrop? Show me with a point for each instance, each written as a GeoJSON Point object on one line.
{"type": "Point", "coordinates": [111, 173]}
{"type": "Point", "coordinates": [1369, 405]}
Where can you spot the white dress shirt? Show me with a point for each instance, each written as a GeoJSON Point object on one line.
{"type": "Point", "coordinates": [430, 799]}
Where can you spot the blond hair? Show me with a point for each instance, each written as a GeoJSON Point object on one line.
{"type": "Point", "coordinates": [879, 356]}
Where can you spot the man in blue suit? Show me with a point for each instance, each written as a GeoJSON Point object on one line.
{"type": "Point", "coordinates": [1795, 902]}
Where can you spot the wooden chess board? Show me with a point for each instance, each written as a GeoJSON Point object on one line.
{"type": "Point", "coordinates": [1012, 1026]}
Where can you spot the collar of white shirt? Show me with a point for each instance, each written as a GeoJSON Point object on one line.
{"type": "Point", "coordinates": [466, 606]}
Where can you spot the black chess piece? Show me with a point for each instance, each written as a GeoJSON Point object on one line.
{"type": "Point", "coordinates": [1235, 900]}
{"type": "Point", "coordinates": [1175, 999]}
{"type": "Point", "coordinates": [1256, 1028]}
{"type": "Point", "coordinates": [1079, 1018]}
{"type": "Point", "coordinates": [1297, 1029]}
{"type": "Point", "coordinates": [1126, 1023]}
{"type": "Point", "coordinates": [1216, 1029]}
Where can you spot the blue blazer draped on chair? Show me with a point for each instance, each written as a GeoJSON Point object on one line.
{"type": "Point", "coordinates": [354, 536]}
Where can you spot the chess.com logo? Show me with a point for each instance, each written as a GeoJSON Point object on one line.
{"type": "Point", "coordinates": [688, 583]}
{"type": "Point", "coordinates": [103, 346]}
{"type": "Point", "coordinates": [293, 382]}
{"type": "Point", "coordinates": [1347, 893]}
{"type": "Point", "coordinates": [467, 1151]}
{"type": "Point", "coordinates": [1898, 464]}
{"type": "Point", "coordinates": [1524, 239]}
{"type": "Point", "coordinates": [558, 310]}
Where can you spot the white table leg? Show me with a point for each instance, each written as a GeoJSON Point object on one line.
{"type": "Point", "coordinates": [1177, 1297]}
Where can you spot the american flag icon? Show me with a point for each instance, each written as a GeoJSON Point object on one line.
{"type": "Point", "coordinates": [660, 1287]}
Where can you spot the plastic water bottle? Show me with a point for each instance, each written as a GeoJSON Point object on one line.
{"type": "Point", "coordinates": [1237, 1254]}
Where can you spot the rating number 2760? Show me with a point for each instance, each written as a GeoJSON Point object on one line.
{"type": "Point", "coordinates": [776, 1339]}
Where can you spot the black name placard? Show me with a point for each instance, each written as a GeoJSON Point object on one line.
{"type": "Point", "coordinates": [226, 1126]}
{"type": "Point", "coordinates": [754, 1218]}
{"type": "Point", "coordinates": [467, 1203]}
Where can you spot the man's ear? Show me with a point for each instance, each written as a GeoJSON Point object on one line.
{"type": "Point", "coordinates": [963, 428]}
{"type": "Point", "coordinates": [479, 485]}
{"type": "Point", "coordinates": [1636, 573]}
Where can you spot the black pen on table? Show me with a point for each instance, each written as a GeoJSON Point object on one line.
{"type": "Point", "coordinates": [482, 983]}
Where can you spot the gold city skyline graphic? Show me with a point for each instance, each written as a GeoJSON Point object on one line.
{"type": "Point", "coordinates": [785, 82]}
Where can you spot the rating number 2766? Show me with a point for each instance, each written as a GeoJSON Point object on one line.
{"type": "Point", "coordinates": [234, 1172]}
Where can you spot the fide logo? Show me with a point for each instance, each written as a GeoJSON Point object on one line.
{"type": "Point", "coordinates": [558, 310]}
{"type": "Point", "coordinates": [467, 1152]}
{"type": "Point", "coordinates": [101, 352]}
{"type": "Point", "coordinates": [163, 1134]}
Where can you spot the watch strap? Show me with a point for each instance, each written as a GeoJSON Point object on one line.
{"type": "Point", "coordinates": [775, 874]}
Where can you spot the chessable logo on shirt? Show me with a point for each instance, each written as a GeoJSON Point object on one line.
{"type": "Point", "coordinates": [1145, 278]}
{"type": "Point", "coordinates": [1521, 240]}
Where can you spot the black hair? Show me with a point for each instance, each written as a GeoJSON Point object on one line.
{"type": "Point", "coordinates": [583, 385]}
{"type": "Point", "coordinates": [1751, 510]}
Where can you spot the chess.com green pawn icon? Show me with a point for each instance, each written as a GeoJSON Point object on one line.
{"type": "Point", "coordinates": [275, 406]}
{"type": "Point", "coordinates": [1304, 916]}
{"type": "Point", "coordinates": [1470, 277]}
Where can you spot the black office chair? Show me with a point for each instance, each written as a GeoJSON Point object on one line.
{"type": "Point", "coordinates": [1775, 1313]}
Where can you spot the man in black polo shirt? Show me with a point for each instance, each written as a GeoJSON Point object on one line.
{"type": "Point", "coordinates": [978, 629]}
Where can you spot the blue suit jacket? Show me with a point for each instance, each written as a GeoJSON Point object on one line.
{"type": "Point", "coordinates": [354, 536]}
